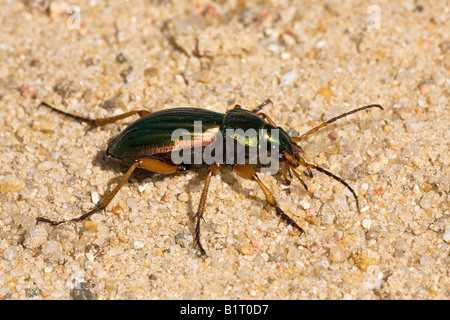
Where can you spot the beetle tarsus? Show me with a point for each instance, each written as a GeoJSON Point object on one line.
{"type": "Point", "coordinates": [287, 219]}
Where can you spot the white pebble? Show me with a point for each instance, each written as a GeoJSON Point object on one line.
{"type": "Point", "coordinates": [366, 223]}
{"type": "Point", "coordinates": [412, 126]}
{"type": "Point", "coordinates": [374, 167]}
{"type": "Point", "coordinates": [45, 166]}
{"type": "Point", "coordinates": [429, 200]}
{"type": "Point", "coordinates": [305, 204]}
{"type": "Point", "coordinates": [446, 235]}
{"type": "Point", "coordinates": [142, 187]}
{"type": "Point", "coordinates": [321, 44]}
{"type": "Point", "coordinates": [289, 77]}
{"type": "Point", "coordinates": [95, 197]}
{"type": "Point", "coordinates": [138, 245]}
{"type": "Point", "coordinates": [10, 252]}
{"type": "Point", "coordinates": [285, 56]}
{"type": "Point", "coordinates": [293, 253]}
{"type": "Point", "coordinates": [131, 202]}
{"type": "Point", "coordinates": [51, 246]}
{"type": "Point", "coordinates": [337, 254]}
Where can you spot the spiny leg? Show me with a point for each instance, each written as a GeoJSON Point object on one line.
{"type": "Point", "coordinates": [315, 129]}
{"type": "Point", "coordinates": [247, 173]}
{"type": "Point", "coordinates": [212, 170]}
{"type": "Point", "coordinates": [148, 164]}
{"type": "Point", "coordinates": [300, 179]}
{"type": "Point", "coordinates": [286, 170]}
{"type": "Point", "coordinates": [258, 108]}
{"type": "Point", "coordinates": [97, 122]}
{"type": "Point", "coordinates": [266, 118]}
{"type": "Point", "coordinates": [238, 106]}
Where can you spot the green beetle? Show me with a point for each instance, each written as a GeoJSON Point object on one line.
{"type": "Point", "coordinates": [149, 144]}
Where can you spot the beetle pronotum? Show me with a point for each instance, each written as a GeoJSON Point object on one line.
{"type": "Point", "coordinates": [147, 144]}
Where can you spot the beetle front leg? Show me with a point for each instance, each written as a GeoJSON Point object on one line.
{"type": "Point", "coordinates": [265, 117]}
{"type": "Point", "coordinates": [212, 170]}
{"type": "Point", "coordinates": [247, 173]}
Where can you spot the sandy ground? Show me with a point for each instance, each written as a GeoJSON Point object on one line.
{"type": "Point", "coordinates": [315, 60]}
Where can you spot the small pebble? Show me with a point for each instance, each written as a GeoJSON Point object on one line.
{"type": "Point", "coordinates": [446, 235]}
{"type": "Point", "coordinates": [293, 253]}
{"type": "Point", "coordinates": [429, 200]}
{"type": "Point", "coordinates": [10, 252]}
{"type": "Point", "coordinates": [95, 197]}
{"type": "Point", "coordinates": [374, 167]}
{"type": "Point", "coordinates": [426, 261]}
{"type": "Point", "coordinates": [321, 44]}
{"type": "Point", "coordinates": [333, 135]}
{"type": "Point", "coordinates": [364, 258]}
{"type": "Point", "coordinates": [412, 126]}
{"type": "Point", "coordinates": [184, 239]}
{"type": "Point", "coordinates": [337, 254]}
{"type": "Point", "coordinates": [138, 245]}
{"type": "Point", "coordinates": [289, 77]}
{"type": "Point", "coordinates": [401, 245]}
{"type": "Point", "coordinates": [424, 89]}
{"type": "Point", "coordinates": [83, 291]}
{"type": "Point", "coordinates": [183, 197]}
{"type": "Point", "coordinates": [121, 58]}
{"type": "Point", "coordinates": [51, 246]}
{"type": "Point", "coordinates": [366, 223]}
{"type": "Point", "coordinates": [316, 247]}
{"type": "Point", "coordinates": [44, 123]}
{"type": "Point", "coordinates": [246, 249]}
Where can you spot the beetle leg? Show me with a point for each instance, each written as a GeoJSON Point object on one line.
{"type": "Point", "coordinates": [266, 118]}
{"type": "Point", "coordinates": [247, 173]}
{"type": "Point", "coordinates": [102, 204]}
{"type": "Point", "coordinates": [97, 122]}
{"type": "Point", "coordinates": [146, 163]}
{"type": "Point", "coordinates": [258, 108]}
{"type": "Point", "coordinates": [301, 180]}
{"type": "Point", "coordinates": [286, 169]}
{"type": "Point", "coordinates": [212, 170]}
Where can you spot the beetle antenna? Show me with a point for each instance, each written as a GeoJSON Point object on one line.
{"type": "Point", "coordinates": [328, 173]}
{"type": "Point", "coordinates": [308, 166]}
{"type": "Point", "coordinates": [313, 130]}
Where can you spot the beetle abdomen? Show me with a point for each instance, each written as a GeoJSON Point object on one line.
{"type": "Point", "coordinates": [151, 136]}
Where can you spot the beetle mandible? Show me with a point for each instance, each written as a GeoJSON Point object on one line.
{"type": "Point", "coordinates": [146, 144]}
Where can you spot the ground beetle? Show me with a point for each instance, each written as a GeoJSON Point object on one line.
{"type": "Point", "coordinates": [147, 144]}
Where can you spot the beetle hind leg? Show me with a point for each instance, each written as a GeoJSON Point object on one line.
{"type": "Point", "coordinates": [249, 174]}
{"type": "Point", "coordinates": [146, 163]}
{"type": "Point", "coordinates": [102, 205]}
{"type": "Point", "coordinates": [212, 170]}
{"type": "Point", "coordinates": [100, 121]}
